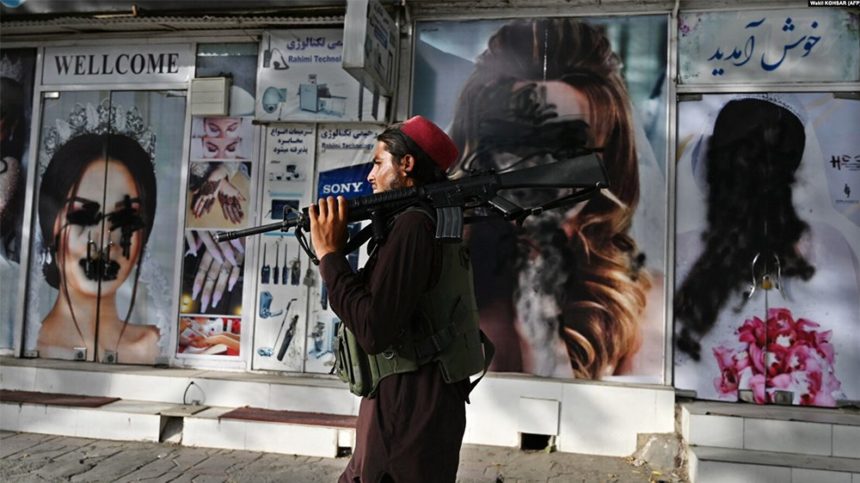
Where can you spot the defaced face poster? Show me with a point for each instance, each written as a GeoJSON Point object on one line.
{"type": "Point", "coordinates": [102, 280]}
{"type": "Point", "coordinates": [575, 293]}
{"type": "Point", "coordinates": [767, 293]}
{"type": "Point", "coordinates": [16, 78]}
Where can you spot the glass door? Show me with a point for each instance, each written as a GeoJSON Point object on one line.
{"type": "Point", "coordinates": [100, 282]}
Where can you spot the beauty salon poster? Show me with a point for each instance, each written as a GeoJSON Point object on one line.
{"type": "Point", "coordinates": [220, 197]}
{"type": "Point", "coordinates": [16, 74]}
{"type": "Point", "coordinates": [559, 296]}
{"type": "Point", "coordinates": [106, 228]}
{"type": "Point", "coordinates": [767, 294]}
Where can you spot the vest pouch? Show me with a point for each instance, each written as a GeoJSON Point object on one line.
{"type": "Point", "coordinates": [351, 363]}
{"type": "Point", "coordinates": [464, 356]}
{"type": "Point", "coordinates": [362, 371]}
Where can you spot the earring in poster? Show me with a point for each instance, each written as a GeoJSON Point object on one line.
{"type": "Point", "coordinates": [46, 255]}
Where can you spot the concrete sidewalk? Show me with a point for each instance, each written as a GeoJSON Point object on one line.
{"type": "Point", "coordinates": [27, 457]}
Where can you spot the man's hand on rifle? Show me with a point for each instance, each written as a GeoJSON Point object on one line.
{"type": "Point", "coordinates": [328, 225]}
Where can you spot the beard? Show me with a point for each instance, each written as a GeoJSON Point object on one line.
{"type": "Point", "coordinates": [398, 183]}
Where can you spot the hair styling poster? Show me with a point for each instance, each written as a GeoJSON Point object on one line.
{"type": "Point", "coordinates": [577, 292]}
{"type": "Point", "coordinates": [220, 197]}
{"type": "Point", "coordinates": [16, 79]}
{"type": "Point", "coordinates": [102, 281]}
{"type": "Point", "coordinates": [767, 293]}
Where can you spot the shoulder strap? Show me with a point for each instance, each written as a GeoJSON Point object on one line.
{"type": "Point", "coordinates": [489, 352]}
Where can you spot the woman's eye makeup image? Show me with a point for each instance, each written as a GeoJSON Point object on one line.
{"type": "Point", "coordinates": [222, 128]}
{"type": "Point", "coordinates": [221, 147]}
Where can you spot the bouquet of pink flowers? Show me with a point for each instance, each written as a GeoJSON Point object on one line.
{"type": "Point", "coordinates": [779, 354]}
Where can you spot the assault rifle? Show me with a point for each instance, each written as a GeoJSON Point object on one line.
{"type": "Point", "coordinates": [581, 177]}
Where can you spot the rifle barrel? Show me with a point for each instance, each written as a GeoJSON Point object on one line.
{"type": "Point", "coordinates": [230, 235]}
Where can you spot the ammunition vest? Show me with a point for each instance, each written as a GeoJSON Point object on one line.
{"type": "Point", "coordinates": [447, 333]}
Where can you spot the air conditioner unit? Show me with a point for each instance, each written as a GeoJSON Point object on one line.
{"type": "Point", "coordinates": [210, 96]}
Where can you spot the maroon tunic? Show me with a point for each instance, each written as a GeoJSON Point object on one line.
{"type": "Point", "coordinates": [412, 430]}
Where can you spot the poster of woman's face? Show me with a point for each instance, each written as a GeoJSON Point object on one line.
{"type": "Point", "coordinates": [16, 94]}
{"type": "Point", "coordinates": [220, 138]}
{"type": "Point", "coordinates": [101, 287]}
{"type": "Point", "coordinates": [767, 290]}
{"type": "Point", "coordinates": [576, 292]}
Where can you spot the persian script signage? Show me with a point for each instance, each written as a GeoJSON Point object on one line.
{"type": "Point", "coordinates": [809, 45]}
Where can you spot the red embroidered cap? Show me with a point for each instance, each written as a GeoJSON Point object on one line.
{"type": "Point", "coordinates": [432, 140]}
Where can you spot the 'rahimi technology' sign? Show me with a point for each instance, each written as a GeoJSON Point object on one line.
{"type": "Point", "coordinates": [126, 64]}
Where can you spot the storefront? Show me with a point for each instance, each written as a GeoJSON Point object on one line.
{"type": "Point", "coordinates": [738, 283]}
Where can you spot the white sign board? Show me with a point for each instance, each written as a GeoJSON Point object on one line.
{"type": "Point", "coordinates": [807, 45]}
{"type": "Point", "coordinates": [300, 79]}
{"type": "Point", "coordinates": [284, 271]}
{"type": "Point", "coordinates": [122, 64]}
